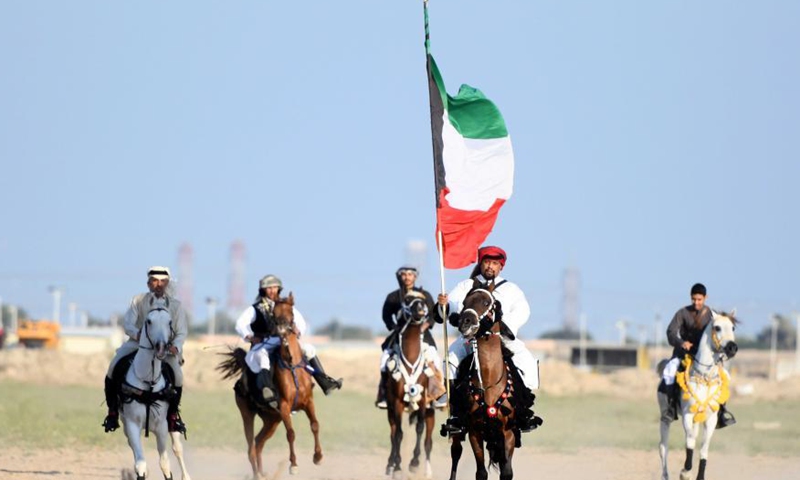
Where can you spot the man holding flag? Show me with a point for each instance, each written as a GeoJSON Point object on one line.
{"type": "Point", "coordinates": [516, 312]}
{"type": "Point", "coordinates": [473, 164]}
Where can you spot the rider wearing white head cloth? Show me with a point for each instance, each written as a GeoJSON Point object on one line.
{"type": "Point", "coordinates": [256, 325]}
{"type": "Point", "coordinates": [515, 311]}
{"type": "Point", "coordinates": [158, 278]}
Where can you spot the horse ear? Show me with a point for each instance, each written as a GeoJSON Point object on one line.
{"type": "Point", "coordinates": [714, 314]}
{"type": "Point", "coordinates": [290, 299]}
{"type": "Point", "coordinates": [733, 312]}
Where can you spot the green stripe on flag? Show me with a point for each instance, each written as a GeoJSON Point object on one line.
{"type": "Point", "coordinates": [474, 115]}
{"type": "Point", "coordinates": [470, 112]}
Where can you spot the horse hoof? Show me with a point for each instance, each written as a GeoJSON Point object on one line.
{"type": "Point", "coordinates": [413, 468]}
{"type": "Point", "coordinates": [317, 458]}
{"type": "Point", "coordinates": [686, 475]}
{"type": "Point", "coordinates": [293, 470]}
{"type": "Point", "coordinates": [397, 475]}
{"type": "Point", "coordinates": [389, 470]}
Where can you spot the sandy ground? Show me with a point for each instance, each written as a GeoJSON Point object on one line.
{"type": "Point", "coordinates": [232, 465]}
{"type": "Point", "coordinates": [558, 378]}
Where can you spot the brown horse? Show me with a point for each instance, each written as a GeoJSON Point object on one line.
{"type": "Point", "coordinates": [486, 394]}
{"type": "Point", "coordinates": [411, 387]}
{"type": "Point", "coordinates": [294, 390]}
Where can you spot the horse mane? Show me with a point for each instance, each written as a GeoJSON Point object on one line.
{"type": "Point", "coordinates": [732, 318]}
{"type": "Point", "coordinates": [286, 300]}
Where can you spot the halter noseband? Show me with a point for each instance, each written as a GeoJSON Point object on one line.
{"type": "Point", "coordinates": [488, 310]}
{"type": "Point", "coordinates": [408, 313]}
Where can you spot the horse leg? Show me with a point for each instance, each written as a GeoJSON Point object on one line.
{"type": "Point", "coordinates": [395, 414]}
{"type": "Point", "coordinates": [177, 449]}
{"type": "Point", "coordinates": [430, 424]}
{"type": "Point", "coordinates": [476, 443]}
{"type": "Point", "coordinates": [456, 449]}
{"type": "Point", "coordinates": [134, 434]}
{"type": "Point", "coordinates": [664, 424]}
{"type": "Point", "coordinates": [663, 448]}
{"type": "Point", "coordinates": [311, 413]}
{"type": "Point", "coordinates": [506, 472]}
{"type": "Point", "coordinates": [268, 427]}
{"type": "Point", "coordinates": [708, 432]}
{"type": "Point", "coordinates": [161, 446]}
{"type": "Point", "coordinates": [692, 429]}
{"type": "Point", "coordinates": [419, 428]}
{"type": "Point", "coordinates": [286, 416]}
{"type": "Point", "coordinates": [248, 420]}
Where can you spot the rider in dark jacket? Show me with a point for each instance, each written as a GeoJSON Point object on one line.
{"type": "Point", "coordinates": [394, 321]}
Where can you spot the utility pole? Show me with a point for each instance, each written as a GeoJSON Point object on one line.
{"type": "Point", "coordinates": [773, 350]}
{"type": "Point", "coordinates": [622, 326]}
{"type": "Point", "coordinates": [582, 340]}
{"type": "Point", "coordinates": [73, 310]}
{"type": "Point", "coordinates": [797, 345]}
{"type": "Point", "coordinates": [211, 303]}
{"type": "Point", "coordinates": [56, 292]}
{"type": "Point", "coordinates": [657, 337]}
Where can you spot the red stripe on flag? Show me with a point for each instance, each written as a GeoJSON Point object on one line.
{"type": "Point", "coordinates": [463, 231]}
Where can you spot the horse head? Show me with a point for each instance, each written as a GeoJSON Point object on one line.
{"type": "Point", "coordinates": [414, 309]}
{"type": "Point", "coordinates": [283, 312]}
{"type": "Point", "coordinates": [723, 339]}
{"type": "Point", "coordinates": [156, 332]}
{"type": "Point", "coordinates": [479, 308]}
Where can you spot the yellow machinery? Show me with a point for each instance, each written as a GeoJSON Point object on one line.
{"type": "Point", "coordinates": [38, 334]}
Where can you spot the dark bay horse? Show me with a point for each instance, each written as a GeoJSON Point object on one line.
{"type": "Point", "coordinates": [486, 395]}
{"type": "Point", "coordinates": [408, 388]}
{"type": "Point", "coordinates": [294, 391]}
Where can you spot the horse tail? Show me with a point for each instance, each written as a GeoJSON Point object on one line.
{"type": "Point", "coordinates": [233, 364]}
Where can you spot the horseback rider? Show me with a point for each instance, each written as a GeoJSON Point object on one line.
{"type": "Point", "coordinates": [684, 333]}
{"type": "Point", "coordinates": [158, 297]}
{"type": "Point", "coordinates": [394, 320]}
{"type": "Point", "coordinates": [515, 313]}
{"type": "Point", "coordinates": [256, 325]}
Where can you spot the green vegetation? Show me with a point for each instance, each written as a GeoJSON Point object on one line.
{"type": "Point", "coordinates": [35, 416]}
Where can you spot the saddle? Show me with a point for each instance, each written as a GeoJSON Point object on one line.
{"type": "Point", "coordinates": [247, 388]}
{"type": "Point", "coordinates": [128, 393]}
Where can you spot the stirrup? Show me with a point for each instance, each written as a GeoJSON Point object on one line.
{"type": "Point", "coordinates": [328, 384]}
{"type": "Point", "coordinates": [111, 422]}
{"type": "Point", "coordinates": [529, 424]}
{"type": "Point", "coordinates": [175, 424]}
{"type": "Point", "coordinates": [725, 418]}
{"type": "Point", "coordinates": [440, 402]}
{"type": "Point", "coordinates": [452, 426]}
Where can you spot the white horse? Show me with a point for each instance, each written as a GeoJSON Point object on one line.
{"type": "Point", "coordinates": [705, 385]}
{"type": "Point", "coordinates": [149, 412]}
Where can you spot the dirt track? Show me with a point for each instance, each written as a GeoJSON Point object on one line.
{"type": "Point", "coordinates": [231, 465]}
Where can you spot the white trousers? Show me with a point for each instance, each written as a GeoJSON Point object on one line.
{"type": "Point", "coordinates": [257, 358]}
{"type": "Point", "coordinates": [526, 363]}
{"type": "Point", "coordinates": [132, 346]}
{"type": "Point", "coordinates": [431, 355]}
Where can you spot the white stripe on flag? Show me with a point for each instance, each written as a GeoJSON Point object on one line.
{"type": "Point", "coordinates": [477, 172]}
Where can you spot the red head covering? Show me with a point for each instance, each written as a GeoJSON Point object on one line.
{"type": "Point", "coordinates": [492, 252]}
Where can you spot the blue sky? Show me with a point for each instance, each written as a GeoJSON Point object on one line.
{"type": "Point", "coordinates": [657, 145]}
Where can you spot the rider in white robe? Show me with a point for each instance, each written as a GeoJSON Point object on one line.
{"type": "Point", "coordinates": [256, 326]}
{"type": "Point", "coordinates": [516, 313]}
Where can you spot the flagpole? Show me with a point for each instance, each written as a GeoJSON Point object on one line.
{"type": "Point", "coordinates": [439, 240]}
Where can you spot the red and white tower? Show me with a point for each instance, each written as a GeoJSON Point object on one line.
{"type": "Point", "coordinates": [185, 280]}
{"type": "Point", "coordinates": [236, 287]}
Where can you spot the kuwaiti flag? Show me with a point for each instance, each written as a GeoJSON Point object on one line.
{"type": "Point", "coordinates": [473, 165]}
